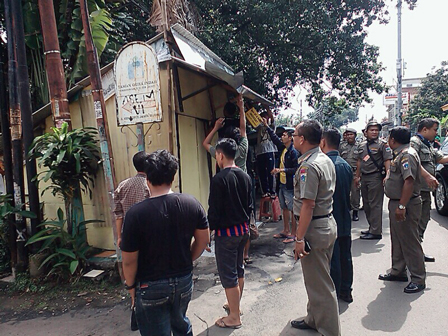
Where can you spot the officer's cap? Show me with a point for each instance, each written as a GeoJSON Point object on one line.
{"type": "Point", "coordinates": [374, 123]}
{"type": "Point", "coordinates": [352, 130]}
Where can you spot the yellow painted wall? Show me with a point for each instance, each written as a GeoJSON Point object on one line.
{"type": "Point", "coordinates": [124, 146]}
{"type": "Point", "coordinates": [193, 157]}
{"type": "Point", "coordinates": [192, 131]}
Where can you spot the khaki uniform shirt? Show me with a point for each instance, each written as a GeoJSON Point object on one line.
{"type": "Point", "coordinates": [380, 151]}
{"type": "Point", "coordinates": [429, 156]}
{"type": "Point", "coordinates": [349, 152]}
{"type": "Point", "coordinates": [405, 164]}
{"type": "Point", "coordinates": [316, 180]}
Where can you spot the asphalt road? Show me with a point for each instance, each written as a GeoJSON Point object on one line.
{"type": "Point", "coordinates": [379, 308]}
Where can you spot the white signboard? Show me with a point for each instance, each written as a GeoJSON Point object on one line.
{"type": "Point", "coordinates": [137, 85]}
{"type": "Point", "coordinates": [392, 98]}
{"type": "Point", "coordinates": [108, 83]}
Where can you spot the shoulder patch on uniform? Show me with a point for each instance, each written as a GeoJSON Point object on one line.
{"type": "Point", "coordinates": [405, 164]}
{"type": "Point", "coordinates": [388, 149]}
{"type": "Point", "coordinates": [303, 171]}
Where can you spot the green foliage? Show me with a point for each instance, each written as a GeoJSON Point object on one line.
{"type": "Point", "coordinates": [71, 33]}
{"type": "Point", "coordinates": [444, 122]}
{"type": "Point", "coordinates": [100, 23]}
{"type": "Point", "coordinates": [281, 44]}
{"type": "Point", "coordinates": [334, 113]}
{"type": "Point", "coordinates": [71, 40]}
{"type": "Point", "coordinates": [66, 252]}
{"type": "Point", "coordinates": [278, 44]}
{"type": "Point", "coordinates": [71, 157]}
{"type": "Point", "coordinates": [431, 97]}
{"type": "Point", "coordinates": [113, 24]}
{"type": "Point", "coordinates": [7, 210]}
{"type": "Point", "coordinates": [129, 23]}
{"type": "Point", "coordinates": [23, 283]}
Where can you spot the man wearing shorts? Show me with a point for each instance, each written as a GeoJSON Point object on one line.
{"type": "Point", "coordinates": [230, 205]}
{"type": "Point", "coordinates": [285, 180]}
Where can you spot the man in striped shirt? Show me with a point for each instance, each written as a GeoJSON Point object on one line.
{"type": "Point", "coordinates": [230, 205]}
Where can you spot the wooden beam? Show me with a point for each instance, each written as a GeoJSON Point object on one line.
{"type": "Point", "coordinates": [198, 91]}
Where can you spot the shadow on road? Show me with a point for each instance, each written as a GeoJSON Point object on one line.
{"type": "Point", "coordinates": [205, 276]}
{"type": "Point", "coordinates": [435, 274]}
{"type": "Point", "coordinates": [388, 312]}
{"type": "Point", "coordinates": [360, 247]}
{"type": "Point", "coordinates": [343, 306]}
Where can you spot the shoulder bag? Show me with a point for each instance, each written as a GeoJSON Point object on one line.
{"type": "Point", "coordinates": [381, 168]}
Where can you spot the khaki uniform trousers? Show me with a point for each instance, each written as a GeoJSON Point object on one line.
{"type": "Point", "coordinates": [372, 191]}
{"type": "Point", "coordinates": [355, 197]}
{"type": "Point", "coordinates": [406, 248]}
{"type": "Point", "coordinates": [426, 209]}
{"type": "Point", "coordinates": [322, 308]}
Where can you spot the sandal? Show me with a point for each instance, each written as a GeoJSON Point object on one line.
{"type": "Point", "coordinates": [280, 235]}
{"type": "Point", "coordinates": [289, 239]}
{"type": "Point", "coordinates": [248, 261]}
{"type": "Point", "coordinates": [220, 323]}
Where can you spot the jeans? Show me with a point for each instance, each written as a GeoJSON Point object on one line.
{"type": "Point", "coordinates": [342, 265]}
{"type": "Point", "coordinates": [265, 164]}
{"type": "Point", "coordinates": [161, 306]}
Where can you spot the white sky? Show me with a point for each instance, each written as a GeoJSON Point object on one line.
{"type": "Point", "coordinates": [424, 46]}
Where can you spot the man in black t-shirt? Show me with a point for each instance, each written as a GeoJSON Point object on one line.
{"type": "Point", "coordinates": [230, 205]}
{"type": "Point", "coordinates": [158, 252]}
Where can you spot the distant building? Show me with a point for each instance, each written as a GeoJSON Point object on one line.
{"type": "Point", "coordinates": [410, 88]}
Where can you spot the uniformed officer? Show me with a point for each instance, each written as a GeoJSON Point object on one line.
{"type": "Point", "coordinates": [429, 157]}
{"type": "Point", "coordinates": [402, 186]}
{"type": "Point", "coordinates": [374, 157]}
{"type": "Point", "coordinates": [314, 185]}
{"type": "Point", "coordinates": [348, 150]}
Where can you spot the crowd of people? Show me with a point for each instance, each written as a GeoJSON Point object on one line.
{"type": "Point", "coordinates": [320, 177]}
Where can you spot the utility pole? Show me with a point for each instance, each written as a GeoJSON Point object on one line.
{"type": "Point", "coordinates": [100, 112]}
{"type": "Point", "coordinates": [53, 65]}
{"type": "Point", "coordinates": [26, 114]}
{"type": "Point", "coordinates": [7, 161]}
{"type": "Point", "coordinates": [166, 27]}
{"type": "Point", "coordinates": [399, 69]}
{"type": "Point", "coordinates": [16, 137]}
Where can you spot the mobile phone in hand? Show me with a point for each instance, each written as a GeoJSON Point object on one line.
{"type": "Point", "coordinates": [307, 246]}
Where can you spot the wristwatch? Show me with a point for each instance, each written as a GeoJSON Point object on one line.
{"type": "Point", "coordinates": [401, 207]}
{"type": "Point", "coordinates": [130, 287]}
